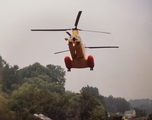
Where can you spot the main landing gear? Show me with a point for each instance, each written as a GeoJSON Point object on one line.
{"type": "Point", "coordinates": [69, 70]}
{"type": "Point", "coordinates": [84, 63]}
{"type": "Point", "coordinates": [91, 69]}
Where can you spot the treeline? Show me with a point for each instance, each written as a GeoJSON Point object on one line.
{"type": "Point", "coordinates": [40, 89]}
{"type": "Point", "coordinates": [142, 106]}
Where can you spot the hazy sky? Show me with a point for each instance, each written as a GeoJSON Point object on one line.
{"type": "Point", "coordinates": [124, 72]}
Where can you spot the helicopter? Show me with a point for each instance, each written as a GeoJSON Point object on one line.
{"type": "Point", "coordinates": [77, 48]}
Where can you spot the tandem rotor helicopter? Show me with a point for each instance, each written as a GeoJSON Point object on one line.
{"type": "Point", "coordinates": [77, 49]}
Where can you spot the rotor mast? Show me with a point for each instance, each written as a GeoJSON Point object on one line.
{"type": "Point", "coordinates": [75, 32]}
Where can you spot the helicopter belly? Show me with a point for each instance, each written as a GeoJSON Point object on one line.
{"type": "Point", "coordinates": [79, 63]}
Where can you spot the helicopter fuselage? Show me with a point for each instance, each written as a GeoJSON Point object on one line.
{"type": "Point", "coordinates": [77, 50]}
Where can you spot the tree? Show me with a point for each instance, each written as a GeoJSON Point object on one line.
{"type": "Point", "coordinates": [5, 114]}
{"type": "Point", "coordinates": [56, 73]}
{"type": "Point", "coordinates": [140, 112]}
{"type": "Point", "coordinates": [115, 105]}
{"type": "Point", "coordinates": [150, 116]}
{"type": "Point", "coordinates": [44, 82]}
{"type": "Point", "coordinates": [2, 65]}
{"type": "Point", "coordinates": [33, 70]}
{"type": "Point", "coordinates": [68, 107]}
{"type": "Point", "coordinates": [94, 92]}
{"type": "Point", "coordinates": [91, 108]}
{"type": "Point", "coordinates": [11, 77]}
{"type": "Point", "coordinates": [29, 99]}
{"type": "Point", "coordinates": [142, 104]}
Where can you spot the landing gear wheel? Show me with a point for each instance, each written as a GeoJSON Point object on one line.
{"type": "Point", "coordinates": [69, 70]}
{"type": "Point", "coordinates": [90, 62]}
{"type": "Point", "coordinates": [91, 69]}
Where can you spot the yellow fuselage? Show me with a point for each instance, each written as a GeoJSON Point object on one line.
{"type": "Point", "coordinates": [77, 51]}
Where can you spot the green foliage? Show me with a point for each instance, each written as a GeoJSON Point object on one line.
{"type": "Point", "coordinates": [68, 108]}
{"type": "Point", "coordinates": [115, 117]}
{"type": "Point", "coordinates": [56, 73]}
{"type": "Point", "coordinates": [10, 76]}
{"type": "Point", "coordinates": [39, 89]}
{"type": "Point", "coordinates": [13, 77]}
{"type": "Point", "coordinates": [1, 68]}
{"type": "Point", "coordinates": [44, 82]}
{"type": "Point", "coordinates": [33, 71]}
{"type": "Point", "coordinates": [150, 116]}
{"type": "Point", "coordinates": [94, 92]}
{"type": "Point", "coordinates": [115, 105]}
{"type": "Point", "coordinates": [5, 113]}
{"type": "Point", "coordinates": [99, 112]}
{"type": "Point", "coordinates": [89, 107]}
{"type": "Point", "coordinates": [33, 89]}
{"type": "Point", "coordinates": [29, 99]}
{"type": "Point", "coordinates": [2, 63]}
{"type": "Point", "coordinates": [140, 112]}
{"type": "Point", "coordinates": [142, 104]}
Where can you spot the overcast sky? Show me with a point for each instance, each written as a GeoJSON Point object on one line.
{"type": "Point", "coordinates": [124, 72]}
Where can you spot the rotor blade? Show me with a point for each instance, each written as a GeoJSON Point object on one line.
{"type": "Point", "coordinates": [77, 19]}
{"type": "Point", "coordinates": [94, 31]}
{"type": "Point", "coordinates": [61, 51]}
{"type": "Point", "coordinates": [49, 29]}
{"type": "Point", "coordinates": [68, 33]}
{"type": "Point", "coordinates": [103, 47]}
